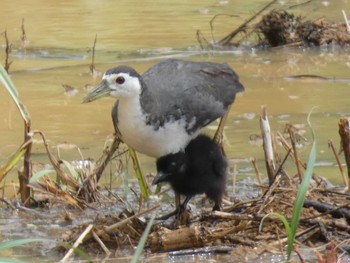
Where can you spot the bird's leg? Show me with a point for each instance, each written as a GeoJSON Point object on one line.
{"type": "Point", "coordinates": [219, 131]}
{"type": "Point", "coordinates": [140, 178]}
{"type": "Point", "coordinates": [217, 206]}
{"type": "Point", "coordinates": [183, 206]}
{"type": "Point", "coordinates": [178, 211]}
{"type": "Point", "coordinates": [177, 200]}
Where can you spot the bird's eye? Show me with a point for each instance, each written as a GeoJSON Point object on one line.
{"type": "Point", "coordinates": [120, 80]}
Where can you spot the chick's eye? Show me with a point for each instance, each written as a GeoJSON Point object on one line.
{"type": "Point", "coordinates": [120, 80]}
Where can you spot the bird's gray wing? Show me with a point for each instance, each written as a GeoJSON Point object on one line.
{"type": "Point", "coordinates": [199, 92]}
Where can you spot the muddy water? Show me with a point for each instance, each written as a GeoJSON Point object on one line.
{"type": "Point", "coordinates": [140, 33]}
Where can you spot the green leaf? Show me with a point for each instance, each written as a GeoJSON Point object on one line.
{"type": "Point", "coordinates": [36, 177]}
{"type": "Point", "coordinates": [12, 162]}
{"type": "Point", "coordinates": [299, 201]}
{"type": "Point", "coordinates": [10, 87]}
{"type": "Point", "coordinates": [19, 242]}
{"type": "Point", "coordinates": [142, 241]}
{"type": "Point", "coordinates": [10, 260]}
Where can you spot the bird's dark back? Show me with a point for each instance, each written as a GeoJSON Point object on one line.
{"type": "Point", "coordinates": [205, 169]}
{"type": "Point", "coordinates": [205, 157]}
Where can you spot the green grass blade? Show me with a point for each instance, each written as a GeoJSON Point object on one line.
{"type": "Point", "coordinates": [142, 241]}
{"type": "Point", "coordinates": [280, 217]}
{"type": "Point", "coordinates": [10, 87]}
{"type": "Point", "coordinates": [141, 180]}
{"type": "Point", "coordinates": [19, 242]}
{"type": "Point", "coordinates": [6, 79]}
{"type": "Point", "coordinates": [299, 201]}
{"type": "Point", "coordinates": [12, 162]}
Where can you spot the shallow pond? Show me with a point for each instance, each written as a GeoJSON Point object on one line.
{"type": "Point", "coordinates": [142, 33]}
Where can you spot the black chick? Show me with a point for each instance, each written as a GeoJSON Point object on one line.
{"type": "Point", "coordinates": [201, 168]}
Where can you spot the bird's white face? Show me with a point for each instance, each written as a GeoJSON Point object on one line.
{"type": "Point", "coordinates": [122, 85]}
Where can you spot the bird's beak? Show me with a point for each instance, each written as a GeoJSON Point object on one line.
{"type": "Point", "coordinates": [160, 177]}
{"type": "Point", "coordinates": [102, 90]}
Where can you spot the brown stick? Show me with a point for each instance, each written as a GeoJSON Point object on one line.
{"type": "Point", "coordinates": [334, 150]}
{"type": "Point", "coordinates": [27, 168]}
{"type": "Point", "coordinates": [257, 174]}
{"type": "Point", "coordinates": [100, 242]}
{"type": "Point", "coordinates": [289, 148]}
{"type": "Point", "coordinates": [107, 157]}
{"type": "Point", "coordinates": [8, 49]}
{"type": "Point", "coordinates": [344, 132]}
{"type": "Point", "coordinates": [295, 151]}
{"type": "Point", "coordinates": [92, 66]}
{"type": "Point", "coordinates": [77, 242]}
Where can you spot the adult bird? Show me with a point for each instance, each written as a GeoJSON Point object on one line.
{"type": "Point", "coordinates": [200, 168]}
{"type": "Point", "coordinates": [160, 111]}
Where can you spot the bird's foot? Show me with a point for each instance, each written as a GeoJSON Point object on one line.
{"type": "Point", "coordinates": [217, 207]}
{"type": "Point", "coordinates": [167, 216]}
{"type": "Point", "coordinates": [181, 216]}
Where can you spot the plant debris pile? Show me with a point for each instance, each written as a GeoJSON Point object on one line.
{"type": "Point", "coordinates": [325, 220]}
{"type": "Point", "coordinates": [117, 233]}
{"type": "Point", "coordinates": [281, 28]}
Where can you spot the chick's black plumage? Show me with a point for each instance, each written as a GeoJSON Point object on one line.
{"type": "Point", "coordinates": [201, 168]}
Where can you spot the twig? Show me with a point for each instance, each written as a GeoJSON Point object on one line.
{"type": "Point", "coordinates": [107, 157]}
{"type": "Point", "coordinates": [345, 179]}
{"type": "Point", "coordinates": [70, 181]}
{"type": "Point", "coordinates": [346, 21]}
{"type": "Point", "coordinates": [93, 70]}
{"type": "Point", "coordinates": [283, 161]}
{"type": "Point", "coordinates": [102, 245]}
{"type": "Point", "coordinates": [125, 221]}
{"type": "Point", "coordinates": [77, 242]}
{"type": "Point", "coordinates": [344, 132]}
{"type": "Point", "coordinates": [201, 39]}
{"type": "Point", "coordinates": [211, 23]}
{"type": "Point", "coordinates": [289, 148]}
{"type": "Point", "coordinates": [257, 173]}
{"type": "Point", "coordinates": [24, 39]}
{"type": "Point", "coordinates": [229, 37]}
{"type": "Point", "coordinates": [295, 151]}
{"type": "Point", "coordinates": [269, 192]}
{"type": "Point", "coordinates": [299, 4]}
{"type": "Point", "coordinates": [8, 49]}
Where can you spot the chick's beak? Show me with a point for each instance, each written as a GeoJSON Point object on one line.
{"type": "Point", "coordinates": [102, 90]}
{"type": "Point", "coordinates": [160, 177]}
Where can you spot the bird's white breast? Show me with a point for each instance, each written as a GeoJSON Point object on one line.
{"type": "Point", "coordinates": [170, 138]}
